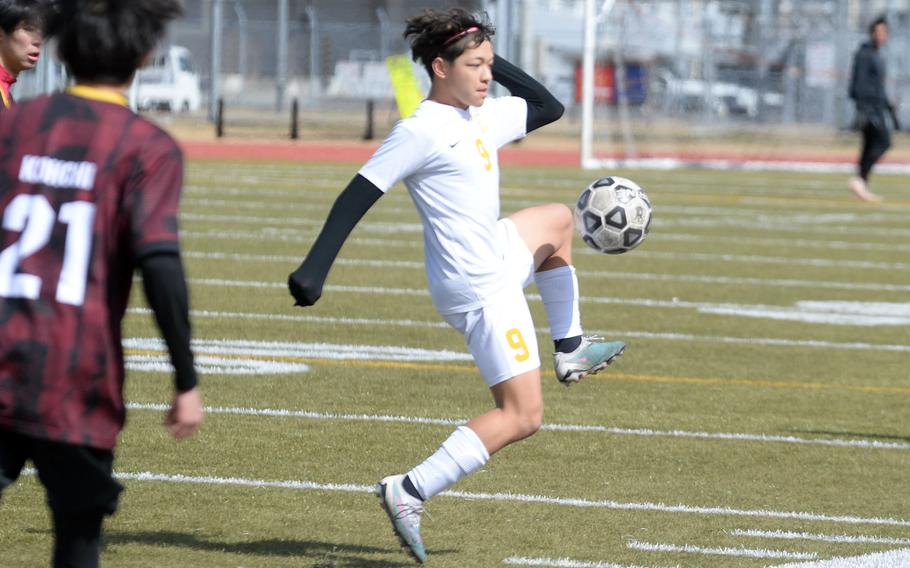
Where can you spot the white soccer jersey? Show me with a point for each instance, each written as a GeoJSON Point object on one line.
{"type": "Point", "coordinates": [447, 157]}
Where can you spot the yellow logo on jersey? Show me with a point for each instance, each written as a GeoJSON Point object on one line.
{"type": "Point", "coordinates": [487, 160]}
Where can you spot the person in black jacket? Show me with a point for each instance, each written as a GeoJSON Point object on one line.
{"type": "Point", "coordinates": [867, 89]}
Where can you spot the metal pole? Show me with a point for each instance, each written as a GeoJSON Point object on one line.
{"type": "Point", "coordinates": [242, 26]}
{"type": "Point", "coordinates": [50, 78]}
{"type": "Point", "coordinates": [843, 57]}
{"type": "Point", "coordinates": [384, 32]}
{"type": "Point", "coordinates": [216, 32]}
{"type": "Point", "coordinates": [526, 45]}
{"type": "Point", "coordinates": [281, 75]}
{"type": "Point", "coordinates": [504, 33]}
{"type": "Point", "coordinates": [295, 130]}
{"type": "Point", "coordinates": [219, 119]}
{"type": "Point", "coordinates": [315, 54]}
{"type": "Point", "coordinates": [763, 38]}
{"type": "Point", "coordinates": [368, 134]}
{"type": "Point", "coordinates": [587, 83]}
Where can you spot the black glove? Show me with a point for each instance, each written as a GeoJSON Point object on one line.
{"type": "Point", "coordinates": [304, 287]}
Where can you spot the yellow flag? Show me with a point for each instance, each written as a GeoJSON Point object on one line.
{"type": "Point", "coordinates": [407, 91]}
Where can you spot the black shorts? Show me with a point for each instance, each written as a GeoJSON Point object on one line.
{"type": "Point", "coordinates": [77, 478]}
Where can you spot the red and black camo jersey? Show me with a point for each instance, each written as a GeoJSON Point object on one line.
{"type": "Point", "coordinates": [87, 188]}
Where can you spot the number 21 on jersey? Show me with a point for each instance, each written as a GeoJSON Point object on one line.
{"type": "Point", "coordinates": [34, 218]}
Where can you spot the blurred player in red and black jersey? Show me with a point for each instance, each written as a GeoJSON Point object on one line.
{"type": "Point", "coordinates": [20, 43]}
{"type": "Point", "coordinates": [89, 192]}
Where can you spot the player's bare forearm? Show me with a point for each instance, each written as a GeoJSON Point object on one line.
{"type": "Point", "coordinates": [306, 283]}
{"type": "Point", "coordinates": [185, 415]}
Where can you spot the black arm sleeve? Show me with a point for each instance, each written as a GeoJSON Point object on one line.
{"type": "Point", "coordinates": [543, 107]}
{"type": "Point", "coordinates": [307, 281]}
{"type": "Point", "coordinates": [165, 290]}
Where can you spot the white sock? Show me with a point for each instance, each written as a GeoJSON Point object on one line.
{"type": "Point", "coordinates": [461, 454]}
{"type": "Point", "coordinates": [559, 289]}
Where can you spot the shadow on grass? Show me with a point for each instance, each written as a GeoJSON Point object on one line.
{"type": "Point", "coordinates": [890, 437]}
{"type": "Point", "coordinates": [323, 554]}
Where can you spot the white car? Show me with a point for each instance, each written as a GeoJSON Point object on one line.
{"type": "Point", "coordinates": [168, 82]}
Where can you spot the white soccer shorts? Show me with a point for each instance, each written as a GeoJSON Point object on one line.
{"type": "Point", "coordinates": [501, 335]}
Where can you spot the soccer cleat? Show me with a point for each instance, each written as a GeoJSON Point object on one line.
{"type": "Point", "coordinates": [404, 511]}
{"type": "Point", "coordinates": [589, 358]}
{"type": "Point", "coordinates": [861, 190]}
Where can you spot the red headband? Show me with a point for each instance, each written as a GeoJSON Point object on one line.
{"type": "Point", "coordinates": [460, 35]}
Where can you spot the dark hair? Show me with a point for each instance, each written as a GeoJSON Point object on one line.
{"type": "Point", "coordinates": [435, 34]}
{"type": "Point", "coordinates": [105, 41]}
{"type": "Point", "coordinates": [876, 22]}
{"type": "Point", "coordinates": [14, 13]}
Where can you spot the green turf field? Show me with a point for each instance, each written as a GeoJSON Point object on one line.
{"type": "Point", "coordinates": [758, 418]}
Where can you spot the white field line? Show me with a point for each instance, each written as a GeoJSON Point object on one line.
{"type": "Point", "coordinates": [675, 256]}
{"type": "Point", "coordinates": [764, 216]}
{"type": "Point", "coordinates": [833, 313]}
{"type": "Point", "coordinates": [210, 364]}
{"type": "Point", "coordinates": [517, 498]}
{"type": "Point", "coordinates": [839, 218]}
{"type": "Point", "coordinates": [777, 226]}
{"type": "Point", "coordinates": [839, 312]}
{"type": "Point", "coordinates": [769, 341]}
{"type": "Point", "coordinates": [299, 350]}
{"type": "Point", "coordinates": [772, 243]}
{"type": "Point", "coordinates": [719, 551]}
{"type": "Point", "coordinates": [293, 173]}
{"type": "Point", "coordinates": [390, 227]}
{"type": "Point", "coordinates": [776, 283]}
{"type": "Point", "coordinates": [760, 224]}
{"type": "Point", "coordinates": [847, 539]}
{"type": "Point", "coordinates": [268, 233]}
{"type": "Point", "coordinates": [889, 559]}
{"type": "Point", "coordinates": [644, 432]}
{"type": "Point", "coordinates": [836, 313]}
{"type": "Point", "coordinates": [687, 216]}
{"type": "Point", "coordinates": [276, 258]}
{"type": "Point", "coordinates": [294, 236]}
{"type": "Point", "coordinates": [308, 319]}
{"type": "Point", "coordinates": [768, 194]}
{"type": "Point", "coordinates": [695, 178]}
{"type": "Point", "coordinates": [564, 563]}
{"type": "Point", "coordinates": [743, 188]}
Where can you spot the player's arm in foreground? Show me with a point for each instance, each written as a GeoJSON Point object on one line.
{"type": "Point", "coordinates": [165, 289]}
{"type": "Point", "coordinates": [543, 107]}
{"type": "Point", "coordinates": [307, 281]}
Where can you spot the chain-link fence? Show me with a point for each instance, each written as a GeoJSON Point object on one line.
{"type": "Point", "coordinates": [719, 63]}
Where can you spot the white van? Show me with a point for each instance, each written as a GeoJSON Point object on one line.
{"type": "Point", "coordinates": [168, 82]}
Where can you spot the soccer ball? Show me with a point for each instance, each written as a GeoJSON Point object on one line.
{"type": "Point", "coordinates": [613, 215]}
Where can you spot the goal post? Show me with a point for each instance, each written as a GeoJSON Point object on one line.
{"type": "Point", "coordinates": [594, 15]}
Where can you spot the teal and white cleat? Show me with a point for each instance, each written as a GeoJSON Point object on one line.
{"type": "Point", "coordinates": [589, 358]}
{"type": "Point", "coordinates": [404, 511]}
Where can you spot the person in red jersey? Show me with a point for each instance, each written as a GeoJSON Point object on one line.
{"type": "Point", "coordinates": [89, 193]}
{"type": "Point", "coordinates": [20, 43]}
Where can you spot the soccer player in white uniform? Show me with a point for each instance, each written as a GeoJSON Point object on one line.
{"type": "Point", "coordinates": [477, 264]}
